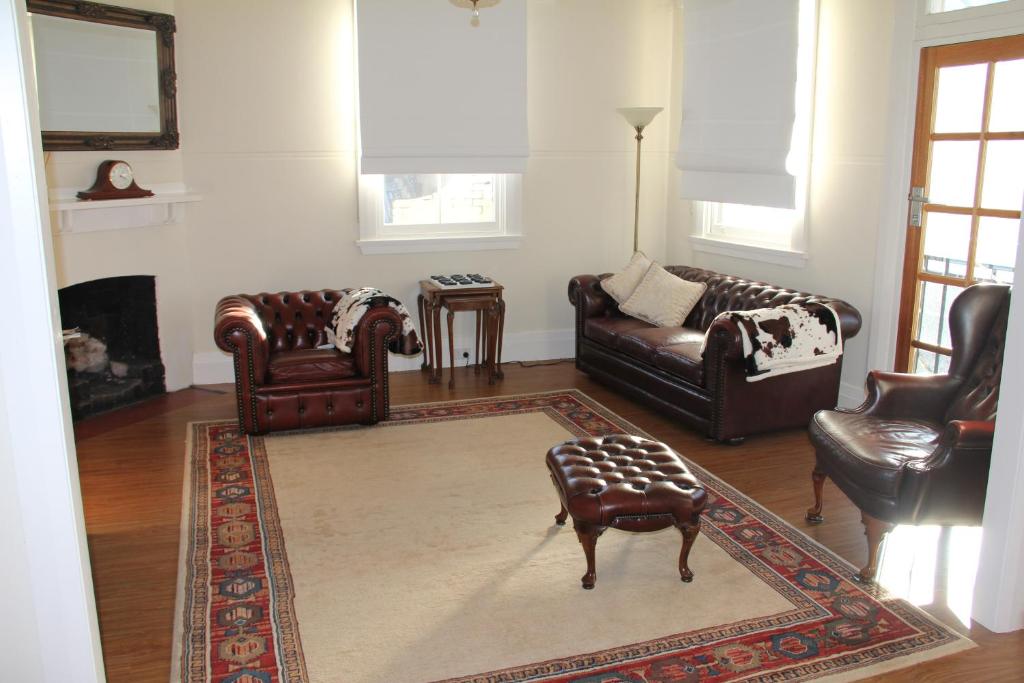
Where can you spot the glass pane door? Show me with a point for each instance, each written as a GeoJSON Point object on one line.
{"type": "Point", "coordinates": [968, 151]}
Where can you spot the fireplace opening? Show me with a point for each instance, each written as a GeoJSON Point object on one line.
{"type": "Point", "coordinates": [111, 343]}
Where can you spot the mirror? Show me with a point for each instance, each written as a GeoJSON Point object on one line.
{"type": "Point", "coordinates": [105, 76]}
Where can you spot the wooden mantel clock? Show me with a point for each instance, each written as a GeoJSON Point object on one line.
{"type": "Point", "coordinates": [114, 180]}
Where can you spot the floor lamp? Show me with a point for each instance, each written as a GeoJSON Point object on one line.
{"type": "Point", "coordinates": [639, 118]}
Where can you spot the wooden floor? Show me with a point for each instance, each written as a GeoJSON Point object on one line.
{"type": "Point", "coordinates": [131, 465]}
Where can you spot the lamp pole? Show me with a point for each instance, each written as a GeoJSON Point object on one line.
{"type": "Point", "coordinates": [638, 118]}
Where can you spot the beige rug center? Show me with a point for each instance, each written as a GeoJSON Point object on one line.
{"type": "Point", "coordinates": [426, 551]}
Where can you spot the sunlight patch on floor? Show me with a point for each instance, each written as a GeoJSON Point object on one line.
{"type": "Point", "coordinates": [918, 561]}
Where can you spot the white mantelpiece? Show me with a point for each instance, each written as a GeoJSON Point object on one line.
{"type": "Point", "coordinates": [165, 207]}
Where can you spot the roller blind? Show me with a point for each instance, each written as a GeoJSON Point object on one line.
{"type": "Point", "coordinates": [738, 108]}
{"type": "Point", "coordinates": [437, 95]}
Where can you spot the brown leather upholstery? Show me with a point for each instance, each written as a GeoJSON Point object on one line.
{"type": "Point", "coordinates": [917, 451]}
{"type": "Point", "coordinates": [664, 367]}
{"type": "Point", "coordinates": [283, 381]}
{"type": "Point", "coordinates": [625, 482]}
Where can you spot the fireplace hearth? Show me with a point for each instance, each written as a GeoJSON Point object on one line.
{"type": "Point", "coordinates": [112, 345]}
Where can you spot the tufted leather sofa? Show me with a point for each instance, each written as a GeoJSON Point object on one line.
{"type": "Point", "coordinates": [283, 381]}
{"type": "Point", "coordinates": [918, 450]}
{"type": "Point", "coordinates": [664, 367]}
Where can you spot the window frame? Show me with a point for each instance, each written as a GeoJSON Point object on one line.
{"type": "Point", "coordinates": [375, 237]}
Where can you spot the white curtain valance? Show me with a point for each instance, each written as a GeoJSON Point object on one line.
{"type": "Point", "coordinates": [738, 108]}
{"type": "Point", "coordinates": [437, 95]}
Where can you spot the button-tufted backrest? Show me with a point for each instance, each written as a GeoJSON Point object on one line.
{"type": "Point", "coordinates": [295, 320]}
{"type": "Point", "coordinates": [729, 293]}
{"type": "Point", "coordinates": [977, 321]}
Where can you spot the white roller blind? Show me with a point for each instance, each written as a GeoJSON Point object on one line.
{"type": "Point", "coordinates": [738, 108]}
{"type": "Point", "coordinates": [437, 95]}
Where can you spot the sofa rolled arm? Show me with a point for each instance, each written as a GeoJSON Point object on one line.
{"type": "Point", "coordinates": [238, 330]}
{"type": "Point", "coordinates": [897, 394]}
{"type": "Point", "coordinates": [586, 295]}
{"type": "Point", "coordinates": [375, 333]}
{"type": "Point", "coordinates": [945, 486]}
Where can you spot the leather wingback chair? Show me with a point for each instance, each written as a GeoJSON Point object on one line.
{"type": "Point", "coordinates": [918, 450]}
{"type": "Point", "coordinates": [284, 381]}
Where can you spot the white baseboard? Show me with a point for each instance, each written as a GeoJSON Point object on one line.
{"type": "Point", "coordinates": [850, 395]}
{"type": "Point", "coordinates": [216, 367]}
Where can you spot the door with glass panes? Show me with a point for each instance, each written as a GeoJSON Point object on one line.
{"type": "Point", "coordinates": [967, 183]}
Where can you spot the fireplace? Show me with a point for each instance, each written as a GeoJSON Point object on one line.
{"type": "Point", "coordinates": [111, 343]}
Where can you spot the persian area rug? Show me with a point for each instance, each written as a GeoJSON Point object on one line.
{"type": "Point", "coordinates": [424, 549]}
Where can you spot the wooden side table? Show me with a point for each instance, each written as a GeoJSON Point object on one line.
{"type": "Point", "coordinates": [486, 301]}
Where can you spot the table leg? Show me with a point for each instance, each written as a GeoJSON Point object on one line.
{"type": "Point", "coordinates": [425, 331]}
{"type": "Point", "coordinates": [451, 348]}
{"type": "Point", "coordinates": [435, 328]}
{"type": "Point", "coordinates": [479, 326]}
{"type": "Point", "coordinates": [501, 336]}
{"type": "Point", "coordinates": [492, 337]}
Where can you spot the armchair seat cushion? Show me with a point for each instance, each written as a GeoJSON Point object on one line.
{"type": "Point", "coordinates": [309, 365]}
{"type": "Point", "coordinates": [871, 452]}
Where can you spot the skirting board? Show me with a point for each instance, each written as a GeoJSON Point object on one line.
{"type": "Point", "coordinates": [215, 367]}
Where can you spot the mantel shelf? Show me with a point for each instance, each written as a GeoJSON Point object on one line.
{"type": "Point", "coordinates": [84, 215]}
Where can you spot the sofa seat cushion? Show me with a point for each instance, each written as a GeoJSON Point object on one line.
{"type": "Point", "coordinates": [309, 365]}
{"type": "Point", "coordinates": [644, 345]}
{"type": "Point", "coordinates": [871, 452]}
{"type": "Point", "coordinates": [608, 331]}
{"type": "Point", "coordinates": [683, 359]}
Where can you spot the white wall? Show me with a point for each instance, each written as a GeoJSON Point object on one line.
{"type": "Point", "coordinates": [849, 145]}
{"type": "Point", "coordinates": [48, 626]}
{"type": "Point", "coordinates": [266, 106]}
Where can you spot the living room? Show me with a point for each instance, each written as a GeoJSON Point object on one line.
{"type": "Point", "coordinates": [267, 109]}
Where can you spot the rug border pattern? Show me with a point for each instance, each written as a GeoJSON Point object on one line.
{"type": "Point", "coordinates": [920, 632]}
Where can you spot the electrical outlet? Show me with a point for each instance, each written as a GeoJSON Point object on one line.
{"type": "Point", "coordinates": [464, 355]}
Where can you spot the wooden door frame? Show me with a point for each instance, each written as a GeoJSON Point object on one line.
{"type": "Point", "coordinates": [953, 54]}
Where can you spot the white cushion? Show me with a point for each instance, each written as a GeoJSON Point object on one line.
{"type": "Point", "coordinates": [663, 299]}
{"type": "Point", "coordinates": [621, 285]}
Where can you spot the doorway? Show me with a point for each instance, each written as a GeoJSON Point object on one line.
{"type": "Point", "coordinates": [966, 189]}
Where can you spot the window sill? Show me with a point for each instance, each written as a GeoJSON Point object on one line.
{"type": "Point", "coordinates": [405, 245]}
{"type": "Point", "coordinates": [782, 257]}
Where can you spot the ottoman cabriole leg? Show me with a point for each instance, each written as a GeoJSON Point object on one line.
{"type": "Point", "coordinates": [689, 530]}
{"type": "Point", "coordinates": [560, 517]}
{"type": "Point", "coordinates": [588, 535]}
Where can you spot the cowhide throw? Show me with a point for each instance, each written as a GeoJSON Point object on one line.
{"type": "Point", "coordinates": [350, 310]}
{"type": "Point", "coordinates": [787, 338]}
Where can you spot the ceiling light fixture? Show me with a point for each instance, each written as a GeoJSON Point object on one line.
{"type": "Point", "coordinates": [474, 5]}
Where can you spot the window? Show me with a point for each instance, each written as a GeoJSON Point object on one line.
{"type": "Point", "coordinates": [414, 212]}
{"type": "Point", "coordinates": [761, 232]}
{"type": "Point", "coordinates": [939, 6]}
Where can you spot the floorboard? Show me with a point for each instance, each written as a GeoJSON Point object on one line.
{"type": "Point", "coordinates": [131, 464]}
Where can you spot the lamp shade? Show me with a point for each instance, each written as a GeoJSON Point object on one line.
{"type": "Point", "coordinates": [639, 117]}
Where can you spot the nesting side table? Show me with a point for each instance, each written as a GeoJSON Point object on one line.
{"type": "Point", "coordinates": [489, 305]}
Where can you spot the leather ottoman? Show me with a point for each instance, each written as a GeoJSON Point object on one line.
{"type": "Point", "coordinates": [629, 483]}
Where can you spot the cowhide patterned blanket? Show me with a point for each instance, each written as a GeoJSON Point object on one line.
{"type": "Point", "coordinates": [787, 338]}
{"type": "Point", "coordinates": [350, 309]}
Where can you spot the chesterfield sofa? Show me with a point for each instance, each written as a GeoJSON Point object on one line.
{"type": "Point", "coordinates": [284, 381]}
{"type": "Point", "coordinates": [664, 368]}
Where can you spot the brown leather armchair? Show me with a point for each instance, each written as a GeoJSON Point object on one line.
{"type": "Point", "coordinates": [283, 381]}
{"type": "Point", "coordinates": [917, 451]}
